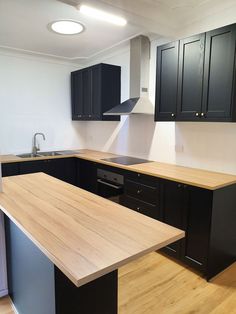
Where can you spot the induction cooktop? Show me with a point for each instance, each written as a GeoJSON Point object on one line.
{"type": "Point", "coordinates": [126, 160]}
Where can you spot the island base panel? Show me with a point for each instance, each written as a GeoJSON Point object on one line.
{"type": "Point", "coordinates": [37, 286]}
{"type": "Point", "coordinates": [30, 274]}
{"type": "Point", "coordinates": [96, 297]}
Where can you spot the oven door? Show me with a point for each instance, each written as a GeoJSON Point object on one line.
{"type": "Point", "coordinates": [109, 190]}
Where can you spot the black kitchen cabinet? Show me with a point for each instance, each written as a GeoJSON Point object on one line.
{"type": "Point", "coordinates": [196, 223]}
{"type": "Point", "coordinates": [10, 169]}
{"type": "Point", "coordinates": [60, 168]}
{"type": "Point", "coordinates": [173, 204]}
{"type": "Point", "coordinates": [141, 193]}
{"type": "Point", "coordinates": [208, 219]}
{"type": "Point", "coordinates": [205, 88]}
{"type": "Point", "coordinates": [187, 208]}
{"type": "Point", "coordinates": [167, 82]}
{"type": "Point", "coordinates": [87, 175]}
{"type": "Point", "coordinates": [219, 75]}
{"type": "Point", "coordinates": [190, 81]}
{"type": "Point", "coordinates": [95, 90]}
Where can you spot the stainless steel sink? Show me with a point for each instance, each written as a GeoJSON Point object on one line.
{"type": "Point", "coordinates": [29, 155]}
{"type": "Point", "coordinates": [41, 154]}
{"type": "Point", "coordinates": [53, 153]}
{"type": "Point", "coordinates": [48, 154]}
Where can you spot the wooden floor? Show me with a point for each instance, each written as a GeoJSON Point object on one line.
{"type": "Point", "coordinates": [5, 306]}
{"type": "Point", "coordinates": [155, 284]}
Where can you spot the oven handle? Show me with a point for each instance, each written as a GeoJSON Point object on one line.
{"type": "Point", "coordinates": [109, 184]}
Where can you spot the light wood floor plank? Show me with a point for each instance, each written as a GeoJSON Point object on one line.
{"type": "Point", "coordinates": [156, 284]}
{"type": "Point", "coordinates": [5, 306]}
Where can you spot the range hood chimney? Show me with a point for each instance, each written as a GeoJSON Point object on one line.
{"type": "Point", "coordinates": [139, 80]}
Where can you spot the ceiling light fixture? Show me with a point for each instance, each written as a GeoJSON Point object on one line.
{"type": "Point", "coordinates": [102, 15]}
{"type": "Point", "coordinates": [66, 27]}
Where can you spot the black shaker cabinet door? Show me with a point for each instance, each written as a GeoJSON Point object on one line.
{"type": "Point", "coordinates": [190, 83]}
{"type": "Point", "coordinates": [173, 206]}
{"type": "Point", "coordinates": [219, 74]}
{"type": "Point", "coordinates": [77, 95]}
{"type": "Point", "coordinates": [96, 93]}
{"type": "Point", "coordinates": [167, 82]}
{"type": "Point", "coordinates": [87, 93]}
{"type": "Point", "coordinates": [196, 223]}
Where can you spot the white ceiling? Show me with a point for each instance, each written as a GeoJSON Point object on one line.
{"type": "Point", "coordinates": [23, 23]}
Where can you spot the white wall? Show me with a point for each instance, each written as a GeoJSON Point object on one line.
{"type": "Point", "coordinates": [202, 145]}
{"type": "Point", "coordinates": [35, 97]}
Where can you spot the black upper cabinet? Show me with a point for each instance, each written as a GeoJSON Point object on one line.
{"type": "Point", "coordinates": [191, 62]}
{"type": "Point", "coordinates": [219, 74]}
{"type": "Point", "coordinates": [95, 90]}
{"type": "Point", "coordinates": [167, 82]}
{"type": "Point", "coordinates": [206, 78]}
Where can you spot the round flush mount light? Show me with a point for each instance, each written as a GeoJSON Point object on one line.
{"type": "Point", "coordinates": [66, 27]}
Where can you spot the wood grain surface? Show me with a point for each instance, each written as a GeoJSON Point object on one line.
{"type": "Point", "coordinates": [197, 177]}
{"type": "Point", "coordinates": [84, 235]}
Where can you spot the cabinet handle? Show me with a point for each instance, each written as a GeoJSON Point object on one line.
{"type": "Point", "coordinates": [90, 116]}
{"type": "Point", "coordinates": [138, 208]}
{"type": "Point", "coordinates": [179, 185]}
{"type": "Point", "coordinates": [139, 191]}
{"type": "Point", "coordinates": [79, 116]}
{"type": "Point", "coordinates": [139, 174]}
{"type": "Point", "coordinates": [172, 115]}
{"type": "Point", "coordinates": [202, 114]}
{"type": "Point", "coordinates": [197, 114]}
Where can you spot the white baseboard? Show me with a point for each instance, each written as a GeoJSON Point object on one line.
{"type": "Point", "coordinates": [3, 293]}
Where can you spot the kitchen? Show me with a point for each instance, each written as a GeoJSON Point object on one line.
{"type": "Point", "coordinates": [36, 65]}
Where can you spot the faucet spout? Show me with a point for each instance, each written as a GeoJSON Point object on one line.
{"type": "Point", "coordinates": [36, 148]}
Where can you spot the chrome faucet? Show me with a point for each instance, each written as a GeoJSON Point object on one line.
{"type": "Point", "coordinates": [36, 148]}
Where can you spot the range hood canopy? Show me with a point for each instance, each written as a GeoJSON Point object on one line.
{"type": "Point", "coordinates": [139, 80]}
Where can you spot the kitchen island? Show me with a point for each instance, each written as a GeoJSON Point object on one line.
{"type": "Point", "coordinates": [64, 245]}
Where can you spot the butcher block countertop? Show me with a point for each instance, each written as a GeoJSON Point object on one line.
{"type": "Point", "coordinates": [84, 235]}
{"type": "Point", "coordinates": [197, 177]}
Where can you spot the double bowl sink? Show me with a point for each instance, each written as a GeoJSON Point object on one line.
{"type": "Point", "coordinates": [48, 154]}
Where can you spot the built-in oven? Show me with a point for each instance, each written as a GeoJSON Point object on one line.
{"type": "Point", "coordinates": [110, 185]}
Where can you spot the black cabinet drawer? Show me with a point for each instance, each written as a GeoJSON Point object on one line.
{"type": "Point", "coordinates": [142, 178]}
{"type": "Point", "coordinates": [141, 191]}
{"type": "Point", "coordinates": [139, 206]}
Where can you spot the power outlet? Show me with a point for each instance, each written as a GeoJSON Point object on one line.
{"type": "Point", "coordinates": [179, 148]}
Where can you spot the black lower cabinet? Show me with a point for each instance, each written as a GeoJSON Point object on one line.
{"type": "Point", "coordinates": [141, 193]}
{"type": "Point", "coordinates": [10, 169]}
{"type": "Point", "coordinates": [197, 224]}
{"type": "Point", "coordinates": [144, 208]}
{"type": "Point", "coordinates": [208, 219]}
{"type": "Point", "coordinates": [87, 175]}
{"type": "Point", "coordinates": [60, 168]}
{"type": "Point", "coordinates": [173, 204]}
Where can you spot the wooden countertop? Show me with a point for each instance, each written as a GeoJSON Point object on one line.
{"type": "Point", "coordinates": [84, 235]}
{"type": "Point", "coordinates": [197, 177]}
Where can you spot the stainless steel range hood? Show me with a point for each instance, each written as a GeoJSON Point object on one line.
{"type": "Point", "coordinates": [139, 80]}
